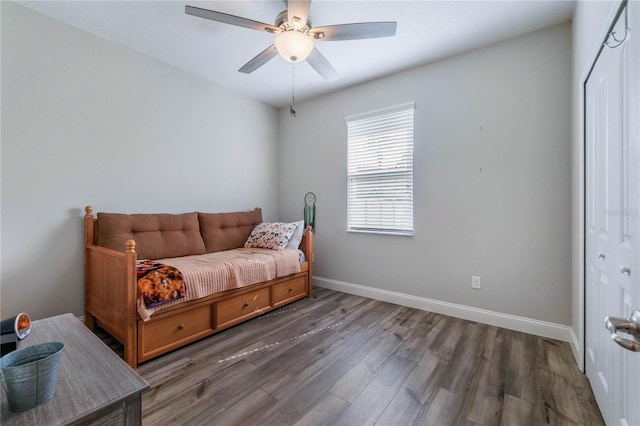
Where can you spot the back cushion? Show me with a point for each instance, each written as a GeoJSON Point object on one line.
{"type": "Point", "coordinates": [226, 231]}
{"type": "Point", "coordinates": [156, 235]}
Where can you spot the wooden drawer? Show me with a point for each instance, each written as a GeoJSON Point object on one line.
{"type": "Point", "coordinates": [285, 292]}
{"type": "Point", "coordinates": [174, 330]}
{"type": "Point", "coordinates": [239, 308]}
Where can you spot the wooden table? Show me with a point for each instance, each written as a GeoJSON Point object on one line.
{"type": "Point", "coordinates": [94, 385]}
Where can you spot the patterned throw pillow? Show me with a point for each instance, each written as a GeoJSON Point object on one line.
{"type": "Point", "coordinates": [274, 236]}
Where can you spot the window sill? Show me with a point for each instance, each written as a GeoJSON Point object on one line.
{"type": "Point", "coordinates": [371, 231]}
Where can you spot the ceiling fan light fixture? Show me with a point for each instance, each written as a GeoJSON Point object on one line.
{"type": "Point", "coordinates": [294, 46]}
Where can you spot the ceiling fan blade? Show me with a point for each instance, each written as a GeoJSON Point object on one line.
{"type": "Point", "coordinates": [298, 9]}
{"type": "Point", "coordinates": [322, 66]}
{"type": "Point", "coordinates": [356, 31]}
{"type": "Point", "coordinates": [261, 59]}
{"type": "Point", "coordinates": [230, 19]}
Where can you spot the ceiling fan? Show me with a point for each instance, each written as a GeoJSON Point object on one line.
{"type": "Point", "coordinates": [295, 37]}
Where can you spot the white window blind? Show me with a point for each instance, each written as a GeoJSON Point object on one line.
{"type": "Point", "coordinates": [380, 171]}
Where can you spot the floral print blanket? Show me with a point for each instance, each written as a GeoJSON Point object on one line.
{"type": "Point", "coordinates": [159, 283]}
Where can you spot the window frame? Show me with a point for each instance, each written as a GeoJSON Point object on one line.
{"type": "Point", "coordinates": [363, 126]}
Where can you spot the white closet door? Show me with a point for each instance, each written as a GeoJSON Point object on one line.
{"type": "Point", "coordinates": [612, 197]}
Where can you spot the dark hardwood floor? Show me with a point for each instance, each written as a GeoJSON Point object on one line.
{"type": "Point", "coordinates": [339, 359]}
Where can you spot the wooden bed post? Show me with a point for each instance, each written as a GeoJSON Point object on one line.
{"type": "Point", "coordinates": [130, 312]}
{"type": "Point", "coordinates": [309, 243]}
{"type": "Point", "coordinates": [89, 320]}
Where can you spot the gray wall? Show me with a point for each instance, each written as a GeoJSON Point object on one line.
{"type": "Point", "coordinates": [85, 121]}
{"type": "Point", "coordinates": [492, 179]}
{"type": "Point", "coordinates": [590, 24]}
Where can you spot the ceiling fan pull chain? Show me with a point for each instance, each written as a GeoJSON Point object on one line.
{"type": "Point", "coordinates": [293, 95]}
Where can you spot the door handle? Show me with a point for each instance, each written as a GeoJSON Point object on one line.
{"type": "Point", "coordinates": [601, 256]}
{"type": "Point", "coordinates": [629, 326]}
{"type": "Point", "coordinates": [625, 270]}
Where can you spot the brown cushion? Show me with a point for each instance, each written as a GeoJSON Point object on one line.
{"type": "Point", "coordinates": [156, 235]}
{"type": "Point", "coordinates": [226, 231]}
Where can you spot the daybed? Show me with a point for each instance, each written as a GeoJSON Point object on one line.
{"type": "Point", "coordinates": [113, 243]}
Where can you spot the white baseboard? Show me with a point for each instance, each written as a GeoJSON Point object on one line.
{"type": "Point", "coordinates": [575, 348]}
{"type": "Point", "coordinates": [511, 322]}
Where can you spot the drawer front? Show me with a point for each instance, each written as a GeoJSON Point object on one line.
{"type": "Point", "coordinates": [237, 309]}
{"type": "Point", "coordinates": [287, 291]}
{"type": "Point", "coordinates": [174, 330]}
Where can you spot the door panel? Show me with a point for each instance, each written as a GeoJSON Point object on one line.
{"type": "Point", "coordinates": [601, 143]}
{"type": "Point", "coordinates": [612, 185]}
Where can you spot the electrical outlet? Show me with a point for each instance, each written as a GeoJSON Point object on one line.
{"type": "Point", "coordinates": [476, 282]}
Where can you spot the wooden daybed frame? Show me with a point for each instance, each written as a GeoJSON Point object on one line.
{"type": "Point", "coordinates": [111, 291]}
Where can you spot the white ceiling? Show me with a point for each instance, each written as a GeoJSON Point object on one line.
{"type": "Point", "coordinates": [427, 31]}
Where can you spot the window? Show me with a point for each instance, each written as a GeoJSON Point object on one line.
{"type": "Point", "coordinates": [380, 171]}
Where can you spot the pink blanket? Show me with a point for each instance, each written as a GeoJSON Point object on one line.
{"type": "Point", "coordinates": [210, 273]}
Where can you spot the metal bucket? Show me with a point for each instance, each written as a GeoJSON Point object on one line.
{"type": "Point", "coordinates": [29, 375]}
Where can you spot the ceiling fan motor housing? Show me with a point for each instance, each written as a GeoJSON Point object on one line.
{"type": "Point", "coordinates": [282, 23]}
